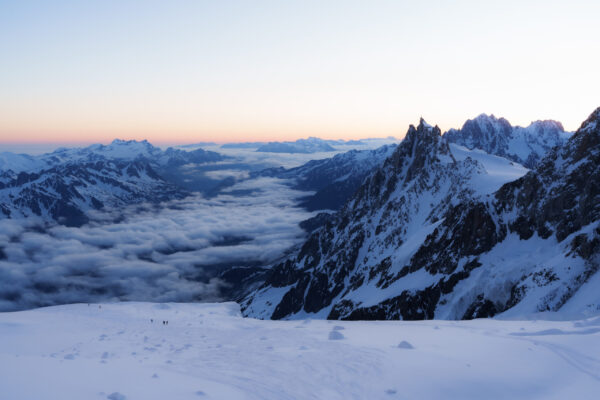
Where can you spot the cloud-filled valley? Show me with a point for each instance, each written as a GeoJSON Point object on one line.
{"type": "Point", "coordinates": [164, 252]}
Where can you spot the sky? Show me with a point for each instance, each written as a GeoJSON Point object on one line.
{"type": "Point", "coordinates": [190, 71]}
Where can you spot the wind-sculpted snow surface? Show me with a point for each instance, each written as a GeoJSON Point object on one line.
{"type": "Point", "coordinates": [437, 233]}
{"type": "Point", "coordinates": [207, 351]}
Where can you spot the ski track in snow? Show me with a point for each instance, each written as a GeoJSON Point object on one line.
{"type": "Point", "coordinates": [113, 351]}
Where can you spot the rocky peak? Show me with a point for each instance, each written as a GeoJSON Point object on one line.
{"type": "Point", "coordinates": [547, 124]}
{"type": "Point", "coordinates": [585, 143]}
{"type": "Point", "coordinates": [488, 123]}
{"type": "Point", "coordinates": [591, 123]}
{"type": "Point", "coordinates": [525, 145]}
{"type": "Point", "coordinates": [421, 148]}
{"type": "Point", "coordinates": [423, 142]}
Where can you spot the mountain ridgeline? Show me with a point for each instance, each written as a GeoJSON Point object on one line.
{"type": "Point", "coordinates": [527, 146]}
{"type": "Point", "coordinates": [441, 231]}
{"type": "Point", "coordinates": [63, 186]}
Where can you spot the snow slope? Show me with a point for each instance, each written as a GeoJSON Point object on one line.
{"type": "Point", "coordinates": [207, 351]}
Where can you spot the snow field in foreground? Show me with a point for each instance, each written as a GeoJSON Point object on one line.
{"type": "Point", "coordinates": [207, 351]}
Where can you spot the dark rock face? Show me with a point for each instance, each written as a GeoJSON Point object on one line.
{"type": "Point", "coordinates": [416, 242]}
{"type": "Point", "coordinates": [497, 136]}
{"type": "Point", "coordinates": [314, 223]}
{"type": "Point", "coordinates": [562, 192]}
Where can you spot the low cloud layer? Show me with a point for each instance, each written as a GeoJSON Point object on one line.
{"type": "Point", "coordinates": [155, 253]}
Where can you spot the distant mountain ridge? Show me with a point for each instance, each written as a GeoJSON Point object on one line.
{"type": "Point", "coordinates": [118, 150]}
{"type": "Point", "coordinates": [310, 145]}
{"type": "Point", "coordinates": [66, 192]}
{"type": "Point", "coordinates": [497, 136]}
{"type": "Point", "coordinates": [64, 185]}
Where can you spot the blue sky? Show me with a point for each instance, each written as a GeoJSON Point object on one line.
{"type": "Point", "coordinates": [185, 71]}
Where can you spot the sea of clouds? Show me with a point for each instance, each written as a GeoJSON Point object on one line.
{"type": "Point", "coordinates": [154, 253]}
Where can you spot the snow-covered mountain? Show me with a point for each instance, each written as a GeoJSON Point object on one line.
{"type": "Point", "coordinates": [439, 231]}
{"type": "Point", "coordinates": [525, 145]}
{"type": "Point", "coordinates": [333, 179]}
{"type": "Point", "coordinates": [66, 192]}
{"type": "Point", "coordinates": [310, 145]}
{"type": "Point", "coordinates": [118, 150]}
{"type": "Point", "coordinates": [64, 185]}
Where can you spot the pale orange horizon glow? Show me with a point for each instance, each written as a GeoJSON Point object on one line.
{"type": "Point", "coordinates": [236, 71]}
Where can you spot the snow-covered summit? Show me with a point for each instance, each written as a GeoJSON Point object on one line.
{"type": "Point", "coordinates": [67, 183]}
{"type": "Point", "coordinates": [117, 150]}
{"type": "Point", "coordinates": [525, 145]}
{"type": "Point", "coordinates": [425, 124]}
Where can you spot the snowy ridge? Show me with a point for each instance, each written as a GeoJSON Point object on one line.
{"type": "Point", "coordinates": [67, 192]}
{"type": "Point", "coordinates": [64, 185]}
{"type": "Point", "coordinates": [117, 150]}
{"type": "Point", "coordinates": [438, 232]}
{"type": "Point", "coordinates": [525, 145]}
{"type": "Point", "coordinates": [310, 145]}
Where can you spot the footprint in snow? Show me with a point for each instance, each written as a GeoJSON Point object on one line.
{"type": "Point", "coordinates": [200, 393]}
{"type": "Point", "coordinates": [104, 355]}
{"type": "Point", "coordinates": [335, 335]}
{"type": "Point", "coordinates": [69, 357]}
{"type": "Point", "coordinates": [391, 391]}
{"type": "Point", "coordinates": [116, 396]}
{"type": "Point", "coordinates": [405, 345]}
{"type": "Point", "coordinates": [338, 328]}
{"type": "Point", "coordinates": [155, 376]}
